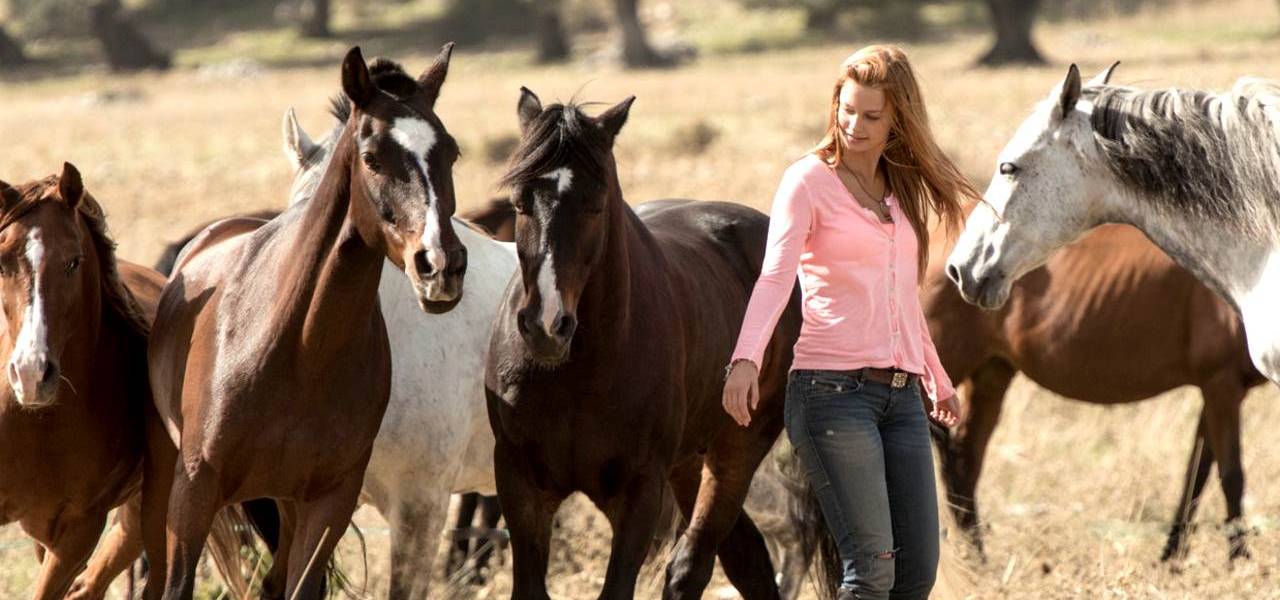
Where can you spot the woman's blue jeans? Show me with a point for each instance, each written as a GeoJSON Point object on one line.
{"type": "Point", "coordinates": [865, 447]}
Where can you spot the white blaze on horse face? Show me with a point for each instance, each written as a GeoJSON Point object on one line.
{"type": "Point", "coordinates": [548, 293]}
{"type": "Point", "coordinates": [563, 178]}
{"type": "Point", "coordinates": [1260, 310]}
{"type": "Point", "coordinates": [418, 137]}
{"type": "Point", "coordinates": [31, 350]}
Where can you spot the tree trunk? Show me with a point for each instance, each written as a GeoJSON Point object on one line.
{"type": "Point", "coordinates": [821, 16]}
{"type": "Point", "coordinates": [636, 51]}
{"type": "Point", "coordinates": [11, 54]}
{"type": "Point", "coordinates": [1012, 21]}
{"type": "Point", "coordinates": [315, 19]}
{"type": "Point", "coordinates": [124, 46]}
{"type": "Point", "coordinates": [553, 44]}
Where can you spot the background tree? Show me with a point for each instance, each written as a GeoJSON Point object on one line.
{"type": "Point", "coordinates": [314, 19]}
{"type": "Point", "coordinates": [123, 45]}
{"type": "Point", "coordinates": [11, 54]}
{"type": "Point", "coordinates": [1012, 21]}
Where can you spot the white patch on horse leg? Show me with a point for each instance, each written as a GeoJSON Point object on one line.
{"type": "Point", "coordinates": [552, 305]}
{"type": "Point", "coordinates": [31, 350]}
{"type": "Point", "coordinates": [563, 178]}
{"type": "Point", "coordinates": [1258, 308]}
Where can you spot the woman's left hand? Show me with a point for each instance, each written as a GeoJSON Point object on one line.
{"type": "Point", "coordinates": [946, 412]}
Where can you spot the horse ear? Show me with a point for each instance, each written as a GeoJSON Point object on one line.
{"type": "Point", "coordinates": [356, 81]}
{"type": "Point", "coordinates": [432, 79]}
{"type": "Point", "coordinates": [528, 108]}
{"type": "Point", "coordinates": [1069, 93]}
{"type": "Point", "coordinates": [297, 144]}
{"type": "Point", "coordinates": [613, 119]}
{"type": "Point", "coordinates": [70, 186]}
{"type": "Point", "coordinates": [1104, 77]}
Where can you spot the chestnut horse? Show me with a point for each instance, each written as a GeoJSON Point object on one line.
{"type": "Point", "coordinates": [74, 345]}
{"type": "Point", "coordinates": [1108, 320]}
{"type": "Point", "coordinates": [606, 362]}
{"type": "Point", "coordinates": [269, 357]}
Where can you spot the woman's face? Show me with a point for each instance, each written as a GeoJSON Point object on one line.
{"type": "Point", "coordinates": [864, 118]}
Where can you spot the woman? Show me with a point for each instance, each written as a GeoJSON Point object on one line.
{"type": "Point", "coordinates": [852, 217]}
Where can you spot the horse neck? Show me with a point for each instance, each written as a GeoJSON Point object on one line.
{"type": "Point", "coordinates": [608, 296]}
{"type": "Point", "coordinates": [1218, 254]}
{"type": "Point", "coordinates": [333, 275]}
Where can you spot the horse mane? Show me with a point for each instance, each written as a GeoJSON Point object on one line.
{"type": "Point", "coordinates": [118, 297]}
{"type": "Point", "coordinates": [1212, 154]}
{"type": "Point", "coordinates": [561, 134]}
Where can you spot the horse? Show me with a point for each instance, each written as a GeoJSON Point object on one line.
{"type": "Point", "coordinates": [74, 344]}
{"type": "Point", "coordinates": [1071, 326]}
{"type": "Point", "coordinates": [606, 362]}
{"type": "Point", "coordinates": [269, 356]}
{"type": "Point", "coordinates": [435, 437]}
{"type": "Point", "coordinates": [1196, 171]}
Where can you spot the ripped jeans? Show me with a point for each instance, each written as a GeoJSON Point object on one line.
{"type": "Point", "coordinates": [865, 447]}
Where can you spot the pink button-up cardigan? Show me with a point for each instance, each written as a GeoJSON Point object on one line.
{"type": "Point", "coordinates": [858, 278]}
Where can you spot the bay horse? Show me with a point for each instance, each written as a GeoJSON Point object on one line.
{"type": "Point", "coordinates": [73, 342]}
{"type": "Point", "coordinates": [1109, 319]}
{"type": "Point", "coordinates": [1196, 171]}
{"type": "Point", "coordinates": [269, 356]}
{"type": "Point", "coordinates": [606, 362]}
{"type": "Point", "coordinates": [435, 436]}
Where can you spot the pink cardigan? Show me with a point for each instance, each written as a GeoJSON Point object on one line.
{"type": "Point", "coordinates": [857, 277]}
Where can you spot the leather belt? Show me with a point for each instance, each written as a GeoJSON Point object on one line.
{"type": "Point", "coordinates": [890, 377]}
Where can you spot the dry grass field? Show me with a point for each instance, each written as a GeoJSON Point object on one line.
{"type": "Point", "coordinates": [1076, 497]}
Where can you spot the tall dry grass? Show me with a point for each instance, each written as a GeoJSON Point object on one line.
{"type": "Point", "coordinates": [1076, 497]}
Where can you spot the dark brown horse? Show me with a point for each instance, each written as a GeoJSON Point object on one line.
{"type": "Point", "coordinates": [269, 357]}
{"type": "Point", "coordinates": [605, 365]}
{"type": "Point", "coordinates": [1108, 320]}
{"type": "Point", "coordinates": [74, 346]}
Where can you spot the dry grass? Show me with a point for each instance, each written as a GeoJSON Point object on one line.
{"type": "Point", "coordinates": [1076, 497]}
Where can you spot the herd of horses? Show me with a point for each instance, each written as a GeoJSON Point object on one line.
{"type": "Point", "coordinates": [289, 366]}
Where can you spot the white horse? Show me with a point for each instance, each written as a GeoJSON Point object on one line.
{"type": "Point", "coordinates": [1197, 172]}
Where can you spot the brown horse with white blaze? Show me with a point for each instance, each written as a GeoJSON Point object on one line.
{"type": "Point", "coordinates": [76, 322]}
{"type": "Point", "coordinates": [269, 356]}
{"type": "Point", "coordinates": [605, 367]}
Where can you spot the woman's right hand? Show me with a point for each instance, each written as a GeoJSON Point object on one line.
{"type": "Point", "coordinates": [742, 391]}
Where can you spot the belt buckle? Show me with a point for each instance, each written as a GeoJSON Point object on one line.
{"type": "Point", "coordinates": [899, 379]}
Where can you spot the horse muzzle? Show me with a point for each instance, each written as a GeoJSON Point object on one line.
{"type": "Point", "coordinates": [34, 379]}
{"type": "Point", "coordinates": [548, 345]}
{"type": "Point", "coordinates": [439, 284]}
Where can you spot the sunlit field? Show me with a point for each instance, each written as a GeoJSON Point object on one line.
{"type": "Point", "coordinates": [1076, 498]}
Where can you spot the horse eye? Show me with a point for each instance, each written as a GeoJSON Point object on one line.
{"type": "Point", "coordinates": [386, 213]}
{"type": "Point", "coordinates": [73, 264]}
{"type": "Point", "coordinates": [370, 161]}
{"type": "Point", "coordinates": [1008, 168]}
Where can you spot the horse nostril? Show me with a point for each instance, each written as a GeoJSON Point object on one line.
{"type": "Point", "coordinates": [564, 326]}
{"type": "Point", "coordinates": [953, 273]}
{"type": "Point", "coordinates": [50, 373]}
{"type": "Point", "coordinates": [422, 264]}
{"type": "Point", "coordinates": [458, 261]}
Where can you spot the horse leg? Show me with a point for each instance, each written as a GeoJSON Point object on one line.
{"type": "Point", "coordinates": [462, 545]}
{"type": "Point", "coordinates": [1222, 401]}
{"type": "Point", "coordinates": [529, 513]}
{"type": "Point", "coordinates": [121, 547]}
{"type": "Point", "coordinates": [71, 544]}
{"type": "Point", "coordinates": [193, 502]}
{"type": "Point", "coordinates": [962, 458]}
{"type": "Point", "coordinates": [633, 516]}
{"type": "Point", "coordinates": [717, 525]}
{"type": "Point", "coordinates": [1193, 484]}
{"type": "Point", "coordinates": [277, 578]}
{"type": "Point", "coordinates": [415, 536]}
{"type": "Point", "coordinates": [320, 524]}
{"type": "Point", "coordinates": [157, 482]}
{"type": "Point", "coordinates": [490, 513]}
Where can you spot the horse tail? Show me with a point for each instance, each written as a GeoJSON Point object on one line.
{"type": "Point", "coordinates": [228, 534]}
{"type": "Point", "coordinates": [805, 515]}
